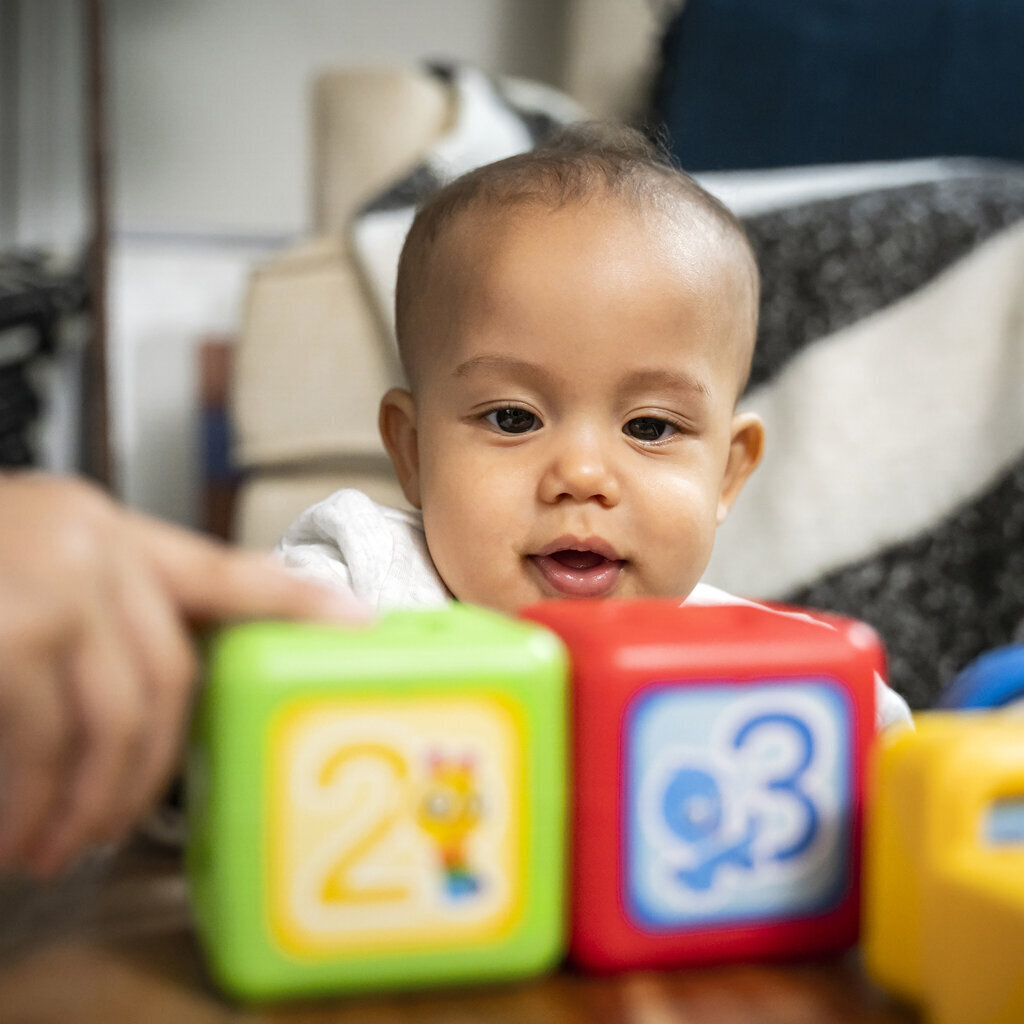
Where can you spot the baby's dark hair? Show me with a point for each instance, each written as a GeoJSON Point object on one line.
{"type": "Point", "coordinates": [581, 162]}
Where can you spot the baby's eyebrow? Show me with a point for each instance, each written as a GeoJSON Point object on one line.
{"type": "Point", "coordinates": [496, 363]}
{"type": "Point", "coordinates": [664, 380]}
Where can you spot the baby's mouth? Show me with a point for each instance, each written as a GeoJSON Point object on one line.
{"type": "Point", "coordinates": [580, 560]}
{"type": "Point", "coordinates": [578, 572]}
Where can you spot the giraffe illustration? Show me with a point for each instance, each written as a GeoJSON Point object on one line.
{"type": "Point", "coordinates": [449, 810]}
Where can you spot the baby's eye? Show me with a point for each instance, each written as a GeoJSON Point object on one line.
{"type": "Point", "coordinates": [512, 420]}
{"type": "Point", "coordinates": [648, 428]}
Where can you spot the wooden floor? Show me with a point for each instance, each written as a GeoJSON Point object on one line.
{"type": "Point", "coordinates": [114, 944]}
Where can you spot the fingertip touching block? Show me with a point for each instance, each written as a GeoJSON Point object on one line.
{"type": "Point", "coordinates": [380, 807]}
{"type": "Point", "coordinates": [944, 867]}
{"type": "Point", "coordinates": [718, 761]}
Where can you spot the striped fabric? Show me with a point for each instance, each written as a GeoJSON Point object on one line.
{"type": "Point", "coordinates": [890, 374]}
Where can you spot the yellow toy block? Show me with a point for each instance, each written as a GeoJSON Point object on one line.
{"type": "Point", "coordinates": [944, 867]}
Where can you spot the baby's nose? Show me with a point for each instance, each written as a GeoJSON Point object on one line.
{"type": "Point", "coordinates": [580, 469]}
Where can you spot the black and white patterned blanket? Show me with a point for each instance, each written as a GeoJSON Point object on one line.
{"type": "Point", "coordinates": [890, 371]}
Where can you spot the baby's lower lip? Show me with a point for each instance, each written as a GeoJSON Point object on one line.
{"type": "Point", "coordinates": [578, 574]}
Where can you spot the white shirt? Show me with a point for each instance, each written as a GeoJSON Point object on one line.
{"type": "Point", "coordinates": [380, 554]}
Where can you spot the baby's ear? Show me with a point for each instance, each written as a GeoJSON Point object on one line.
{"type": "Point", "coordinates": [397, 423]}
{"type": "Point", "coordinates": [745, 450]}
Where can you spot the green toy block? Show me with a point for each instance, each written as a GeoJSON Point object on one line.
{"type": "Point", "coordinates": [379, 807]}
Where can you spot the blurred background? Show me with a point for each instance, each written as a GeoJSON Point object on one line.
{"type": "Point", "coordinates": [206, 126]}
{"type": "Point", "coordinates": [201, 203]}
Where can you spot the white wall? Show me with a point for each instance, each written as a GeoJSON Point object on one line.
{"type": "Point", "coordinates": [210, 95]}
{"type": "Point", "coordinates": [210, 161]}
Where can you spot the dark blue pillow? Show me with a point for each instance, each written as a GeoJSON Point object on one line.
{"type": "Point", "coordinates": [770, 83]}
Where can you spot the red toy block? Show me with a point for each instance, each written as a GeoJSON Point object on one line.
{"type": "Point", "coordinates": [718, 764]}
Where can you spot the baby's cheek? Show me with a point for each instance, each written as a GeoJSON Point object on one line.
{"type": "Point", "coordinates": [459, 552]}
{"type": "Point", "coordinates": [682, 549]}
{"type": "Point", "coordinates": [479, 565]}
{"type": "Point", "coordinates": [488, 592]}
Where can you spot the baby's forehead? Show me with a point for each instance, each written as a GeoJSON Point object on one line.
{"type": "Point", "coordinates": [489, 233]}
{"type": "Point", "coordinates": [480, 250]}
{"type": "Point", "coordinates": [485, 254]}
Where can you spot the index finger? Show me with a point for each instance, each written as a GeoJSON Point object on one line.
{"type": "Point", "coordinates": [210, 581]}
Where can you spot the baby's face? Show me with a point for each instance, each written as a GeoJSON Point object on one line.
{"type": "Point", "coordinates": [572, 432]}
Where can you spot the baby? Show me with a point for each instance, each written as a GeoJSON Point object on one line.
{"type": "Point", "coordinates": [576, 325]}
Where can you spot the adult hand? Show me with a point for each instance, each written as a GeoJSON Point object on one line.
{"type": "Point", "coordinates": [97, 668]}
